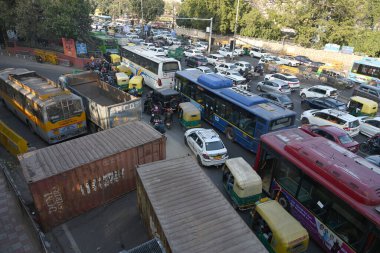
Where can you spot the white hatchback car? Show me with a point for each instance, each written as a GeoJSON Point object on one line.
{"type": "Point", "coordinates": [207, 146]}
{"type": "Point", "coordinates": [225, 67]}
{"type": "Point", "coordinates": [215, 59]}
{"type": "Point", "coordinates": [369, 126]}
{"type": "Point", "coordinates": [291, 80]}
{"type": "Point", "coordinates": [332, 117]}
{"type": "Point", "coordinates": [319, 91]}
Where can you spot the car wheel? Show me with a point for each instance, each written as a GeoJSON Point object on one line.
{"type": "Point", "coordinates": [305, 121]}
{"type": "Point", "coordinates": [230, 133]}
{"type": "Point", "coordinates": [284, 202]}
{"type": "Point", "coordinates": [185, 141]}
{"type": "Point", "coordinates": [303, 95]}
{"type": "Point", "coordinates": [199, 161]}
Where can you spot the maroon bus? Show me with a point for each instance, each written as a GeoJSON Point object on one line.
{"type": "Point", "coordinates": [334, 193]}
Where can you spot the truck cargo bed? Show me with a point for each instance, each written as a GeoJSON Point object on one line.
{"type": "Point", "coordinates": [95, 93]}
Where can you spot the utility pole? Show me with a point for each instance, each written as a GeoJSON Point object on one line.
{"type": "Point", "coordinates": [236, 20]}
{"type": "Point", "coordinates": [142, 12]}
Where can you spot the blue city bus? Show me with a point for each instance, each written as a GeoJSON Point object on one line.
{"type": "Point", "coordinates": [243, 116]}
{"type": "Point", "coordinates": [366, 71]}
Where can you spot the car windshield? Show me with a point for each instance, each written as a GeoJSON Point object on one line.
{"type": "Point", "coordinates": [285, 87]}
{"type": "Point", "coordinates": [295, 80]}
{"type": "Point", "coordinates": [333, 93]}
{"type": "Point", "coordinates": [284, 99]}
{"type": "Point", "coordinates": [215, 145]}
{"type": "Point", "coordinates": [207, 71]}
{"type": "Point", "coordinates": [197, 52]}
{"type": "Point", "coordinates": [344, 139]}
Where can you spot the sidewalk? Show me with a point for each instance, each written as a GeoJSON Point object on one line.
{"type": "Point", "coordinates": [16, 235]}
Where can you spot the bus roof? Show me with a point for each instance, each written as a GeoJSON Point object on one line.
{"type": "Point", "coordinates": [346, 174]}
{"type": "Point", "coordinates": [32, 85]}
{"type": "Point", "coordinates": [369, 61]}
{"type": "Point", "coordinates": [244, 99]}
{"type": "Point", "coordinates": [147, 53]}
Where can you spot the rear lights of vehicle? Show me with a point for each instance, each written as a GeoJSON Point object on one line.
{"type": "Point", "coordinates": [206, 156]}
{"type": "Point", "coordinates": [346, 129]}
{"type": "Point", "coordinates": [159, 82]}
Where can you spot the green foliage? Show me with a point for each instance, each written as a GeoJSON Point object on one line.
{"type": "Point", "coordinates": [366, 41]}
{"type": "Point", "coordinates": [151, 9]}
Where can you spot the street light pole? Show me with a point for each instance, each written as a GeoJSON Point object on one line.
{"type": "Point", "coordinates": [209, 39]}
{"type": "Point", "coordinates": [236, 20]}
{"type": "Point", "coordinates": [142, 12]}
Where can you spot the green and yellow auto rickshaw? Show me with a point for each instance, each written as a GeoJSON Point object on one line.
{"type": "Point", "coordinates": [189, 115]}
{"type": "Point", "coordinates": [242, 183]}
{"type": "Point", "coordinates": [136, 83]}
{"type": "Point", "coordinates": [359, 106]}
{"type": "Point", "coordinates": [115, 59]}
{"type": "Point", "coordinates": [122, 80]}
{"type": "Point", "coordinates": [277, 229]}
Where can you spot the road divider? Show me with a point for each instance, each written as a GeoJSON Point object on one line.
{"type": "Point", "coordinates": [13, 142]}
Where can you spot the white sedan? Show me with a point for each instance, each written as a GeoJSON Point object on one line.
{"type": "Point", "coordinates": [369, 126]}
{"type": "Point", "coordinates": [192, 52]}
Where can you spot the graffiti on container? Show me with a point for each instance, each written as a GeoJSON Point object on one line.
{"type": "Point", "coordinates": [102, 182]}
{"type": "Point", "coordinates": [54, 200]}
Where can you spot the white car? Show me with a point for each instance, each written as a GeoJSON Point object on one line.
{"type": "Point", "coordinates": [369, 126]}
{"type": "Point", "coordinates": [227, 53]}
{"type": "Point", "coordinates": [243, 65]}
{"type": "Point", "coordinates": [290, 61]}
{"type": "Point", "coordinates": [291, 80]}
{"type": "Point", "coordinates": [215, 59]}
{"type": "Point", "coordinates": [201, 47]}
{"type": "Point", "coordinates": [237, 79]}
{"type": "Point", "coordinates": [157, 51]}
{"type": "Point", "coordinates": [319, 91]}
{"type": "Point", "coordinates": [147, 45]}
{"type": "Point", "coordinates": [256, 52]}
{"type": "Point", "coordinates": [272, 58]}
{"type": "Point", "coordinates": [207, 146]}
{"type": "Point", "coordinates": [225, 66]}
{"type": "Point", "coordinates": [205, 70]}
{"type": "Point", "coordinates": [342, 120]}
{"type": "Point", "coordinates": [192, 52]}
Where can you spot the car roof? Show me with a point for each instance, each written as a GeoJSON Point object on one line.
{"type": "Point", "coordinates": [244, 62]}
{"type": "Point", "coordinates": [333, 130]}
{"type": "Point", "coordinates": [217, 55]}
{"type": "Point", "coordinates": [208, 134]}
{"type": "Point", "coordinates": [279, 82]}
{"type": "Point", "coordinates": [323, 87]}
{"type": "Point", "coordinates": [341, 114]}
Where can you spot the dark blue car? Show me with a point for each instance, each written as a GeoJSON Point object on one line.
{"type": "Point", "coordinates": [323, 103]}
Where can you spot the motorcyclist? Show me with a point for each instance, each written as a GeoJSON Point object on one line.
{"type": "Point", "coordinates": [155, 111]}
{"type": "Point", "coordinates": [157, 124]}
{"type": "Point", "coordinates": [168, 120]}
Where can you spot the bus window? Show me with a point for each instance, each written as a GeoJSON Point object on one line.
{"type": "Point", "coordinates": [288, 176]}
{"type": "Point", "coordinates": [281, 123]}
{"type": "Point", "coordinates": [247, 123]}
{"type": "Point", "coordinates": [54, 113]}
{"type": "Point", "coordinates": [355, 68]}
{"type": "Point", "coordinates": [170, 67]}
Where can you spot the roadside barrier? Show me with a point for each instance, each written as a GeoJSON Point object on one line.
{"type": "Point", "coordinates": [13, 142]}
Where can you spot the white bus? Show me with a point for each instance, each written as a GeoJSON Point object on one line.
{"type": "Point", "coordinates": [158, 72]}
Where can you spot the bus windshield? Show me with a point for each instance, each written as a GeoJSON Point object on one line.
{"type": "Point", "coordinates": [170, 67]}
{"type": "Point", "coordinates": [64, 109]}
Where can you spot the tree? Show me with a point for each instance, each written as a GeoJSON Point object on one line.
{"type": "Point", "coordinates": [151, 9]}
{"type": "Point", "coordinates": [7, 17]}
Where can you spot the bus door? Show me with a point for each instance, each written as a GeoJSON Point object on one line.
{"type": "Point", "coordinates": [209, 107]}
{"type": "Point", "coordinates": [261, 128]}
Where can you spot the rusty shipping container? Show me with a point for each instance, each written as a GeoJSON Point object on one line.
{"type": "Point", "coordinates": [182, 207]}
{"type": "Point", "coordinates": [70, 178]}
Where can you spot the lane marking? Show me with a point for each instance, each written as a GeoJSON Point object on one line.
{"type": "Point", "coordinates": [74, 245]}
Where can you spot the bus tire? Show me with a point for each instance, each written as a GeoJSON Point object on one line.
{"type": "Point", "coordinates": [304, 121]}
{"type": "Point", "coordinates": [230, 133]}
{"type": "Point", "coordinates": [284, 202]}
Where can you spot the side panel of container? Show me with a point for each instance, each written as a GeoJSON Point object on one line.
{"type": "Point", "coordinates": [64, 196]}
{"type": "Point", "coordinates": [148, 215]}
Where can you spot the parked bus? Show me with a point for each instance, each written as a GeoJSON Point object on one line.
{"type": "Point", "coordinates": [366, 71]}
{"type": "Point", "coordinates": [334, 193]}
{"type": "Point", "coordinates": [242, 115]}
{"type": "Point", "coordinates": [53, 113]}
{"type": "Point", "coordinates": [158, 72]}
{"type": "Point", "coordinates": [103, 43]}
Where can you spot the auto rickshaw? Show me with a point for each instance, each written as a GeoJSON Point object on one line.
{"type": "Point", "coordinates": [124, 69]}
{"type": "Point", "coordinates": [277, 229]}
{"type": "Point", "coordinates": [189, 115]}
{"type": "Point", "coordinates": [115, 59]}
{"type": "Point", "coordinates": [122, 80]}
{"type": "Point", "coordinates": [136, 82]}
{"type": "Point", "coordinates": [359, 106]}
{"type": "Point", "coordinates": [242, 183]}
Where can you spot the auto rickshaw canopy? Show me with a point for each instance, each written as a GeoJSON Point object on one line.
{"type": "Point", "coordinates": [125, 69]}
{"type": "Point", "coordinates": [190, 111]}
{"type": "Point", "coordinates": [370, 107]}
{"type": "Point", "coordinates": [247, 182]}
{"type": "Point", "coordinates": [283, 226]}
{"type": "Point", "coordinates": [115, 58]}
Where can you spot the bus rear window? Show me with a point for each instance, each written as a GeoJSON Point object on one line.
{"type": "Point", "coordinates": [170, 67]}
{"type": "Point", "coordinates": [281, 123]}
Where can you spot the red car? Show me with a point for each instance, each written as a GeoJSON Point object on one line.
{"type": "Point", "coordinates": [334, 134]}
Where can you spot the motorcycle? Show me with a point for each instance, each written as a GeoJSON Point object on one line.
{"type": "Point", "coordinates": [155, 111]}
{"type": "Point", "coordinates": [157, 124]}
{"type": "Point", "coordinates": [371, 146]}
{"type": "Point", "coordinates": [168, 120]}
{"type": "Point", "coordinates": [259, 69]}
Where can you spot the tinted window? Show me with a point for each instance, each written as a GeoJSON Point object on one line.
{"type": "Point", "coordinates": [292, 79]}
{"type": "Point", "coordinates": [285, 86]}
{"type": "Point", "coordinates": [215, 145]}
{"type": "Point", "coordinates": [170, 67]}
{"type": "Point", "coordinates": [284, 99]}
{"type": "Point", "coordinates": [344, 139]}
{"type": "Point", "coordinates": [353, 124]}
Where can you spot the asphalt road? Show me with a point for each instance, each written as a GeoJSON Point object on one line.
{"type": "Point", "coordinates": [116, 226]}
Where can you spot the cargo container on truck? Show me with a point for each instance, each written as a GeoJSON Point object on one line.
{"type": "Point", "coordinates": [72, 177]}
{"type": "Point", "coordinates": [106, 106]}
{"type": "Point", "coordinates": [182, 207]}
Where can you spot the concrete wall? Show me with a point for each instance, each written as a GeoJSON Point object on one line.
{"type": "Point", "coordinates": [277, 47]}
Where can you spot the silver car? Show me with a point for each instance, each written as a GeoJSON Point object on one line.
{"type": "Point", "coordinates": [274, 86]}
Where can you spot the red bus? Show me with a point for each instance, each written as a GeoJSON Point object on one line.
{"type": "Point", "coordinates": [334, 193]}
